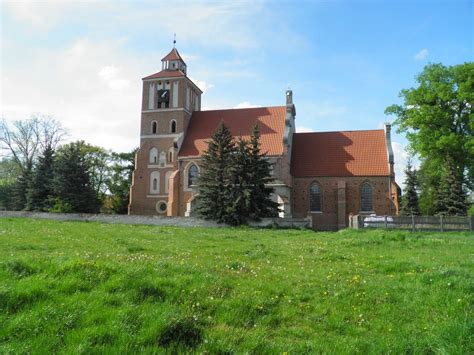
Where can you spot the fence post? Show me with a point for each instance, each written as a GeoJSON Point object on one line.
{"type": "Point", "coordinates": [413, 223]}
{"type": "Point", "coordinates": [471, 223]}
{"type": "Point", "coordinates": [441, 227]}
{"type": "Point", "coordinates": [386, 222]}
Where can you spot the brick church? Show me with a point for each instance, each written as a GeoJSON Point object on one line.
{"type": "Point", "coordinates": [325, 176]}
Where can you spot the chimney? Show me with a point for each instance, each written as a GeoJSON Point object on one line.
{"type": "Point", "coordinates": [388, 142]}
{"type": "Point", "coordinates": [289, 97]}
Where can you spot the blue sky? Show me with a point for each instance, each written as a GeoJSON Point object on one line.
{"type": "Point", "coordinates": [344, 60]}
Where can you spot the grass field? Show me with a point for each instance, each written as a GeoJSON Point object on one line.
{"type": "Point", "coordinates": [72, 287]}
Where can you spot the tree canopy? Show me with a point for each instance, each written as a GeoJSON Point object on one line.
{"type": "Point", "coordinates": [437, 118]}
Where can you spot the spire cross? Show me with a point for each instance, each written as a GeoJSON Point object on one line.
{"type": "Point", "coordinates": [174, 41]}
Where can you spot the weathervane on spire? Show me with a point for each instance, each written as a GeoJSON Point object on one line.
{"type": "Point", "coordinates": [174, 41]}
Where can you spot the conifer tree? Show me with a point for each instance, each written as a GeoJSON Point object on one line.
{"type": "Point", "coordinates": [242, 185]}
{"type": "Point", "coordinates": [215, 180]}
{"type": "Point", "coordinates": [409, 203]}
{"type": "Point", "coordinates": [451, 199]}
{"type": "Point", "coordinates": [261, 204]}
{"type": "Point", "coordinates": [20, 188]}
{"type": "Point", "coordinates": [41, 191]}
{"type": "Point", "coordinates": [72, 182]}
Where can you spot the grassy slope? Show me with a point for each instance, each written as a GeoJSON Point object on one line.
{"type": "Point", "coordinates": [87, 287]}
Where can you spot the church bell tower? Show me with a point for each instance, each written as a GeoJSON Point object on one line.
{"type": "Point", "coordinates": [168, 102]}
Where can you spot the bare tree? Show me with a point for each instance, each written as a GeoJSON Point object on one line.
{"type": "Point", "coordinates": [24, 139]}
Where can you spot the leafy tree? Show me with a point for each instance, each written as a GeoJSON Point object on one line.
{"type": "Point", "coordinates": [120, 181]}
{"type": "Point", "coordinates": [261, 204]}
{"type": "Point", "coordinates": [41, 190]}
{"type": "Point", "coordinates": [9, 172]}
{"type": "Point", "coordinates": [24, 139]}
{"type": "Point", "coordinates": [438, 121]}
{"type": "Point", "coordinates": [72, 182]}
{"type": "Point", "coordinates": [99, 164]}
{"type": "Point", "coordinates": [215, 181]}
{"type": "Point", "coordinates": [409, 203]}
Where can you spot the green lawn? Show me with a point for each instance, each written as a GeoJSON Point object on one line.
{"type": "Point", "coordinates": [74, 287]}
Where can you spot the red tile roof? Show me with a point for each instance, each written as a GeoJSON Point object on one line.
{"type": "Point", "coordinates": [166, 74]}
{"type": "Point", "coordinates": [271, 121]}
{"type": "Point", "coordinates": [173, 55]}
{"type": "Point", "coordinates": [350, 153]}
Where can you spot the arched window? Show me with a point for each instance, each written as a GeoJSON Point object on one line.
{"type": "Point", "coordinates": [315, 197]}
{"type": "Point", "coordinates": [153, 155]}
{"type": "Point", "coordinates": [366, 197]}
{"type": "Point", "coordinates": [154, 127]}
{"type": "Point", "coordinates": [170, 156]}
{"type": "Point", "coordinates": [173, 126]}
{"type": "Point", "coordinates": [193, 174]}
{"type": "Point", "coordinates": [155, 182]}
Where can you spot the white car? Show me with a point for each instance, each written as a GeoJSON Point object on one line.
{"type": "Point", "coordinates": [377, 221]}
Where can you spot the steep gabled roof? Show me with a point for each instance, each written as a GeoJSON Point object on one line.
{"type": "Point", "coordinates": [349, 153]}
{"type": "Point", "coordinates": [165, 74]}
{"type": "Point", "coordinates": [271, 121]}
{"type": "Point", "coordinates": [173, 55]}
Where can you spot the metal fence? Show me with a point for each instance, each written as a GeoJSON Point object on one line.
{"type": "Point", "coordinates": [416, 223]}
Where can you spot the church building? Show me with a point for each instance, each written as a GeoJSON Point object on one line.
{"type": "Point", "coordinates": [325, 176]}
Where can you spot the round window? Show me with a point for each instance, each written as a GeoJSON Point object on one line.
{"type": "Point", "coordinates": [161, 207]}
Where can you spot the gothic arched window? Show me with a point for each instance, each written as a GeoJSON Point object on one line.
{"type": "Point", "coordinates": [315, 197]}
{"type": "Point", "coordinates": [193, 174]}
{"type": "Point", "coordinates": [154, 127]}
{"type": "Point", "coordinates": [173, 126]}
{"type": "Point", "coordinates": [155, 182]}
{"type": "Point", "coordinates": [153, 155]}
{"type": "Point", "coordinates": [366, 198]}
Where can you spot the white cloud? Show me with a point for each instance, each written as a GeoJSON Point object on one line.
{"type": "Point", "coordinates": [204, 86]}
{"type": "Point", "coordinates": [303, 129]}
{"type": "Point", "coordinates": [245, 104]}
{"type": "Point", "coordinates": [110, 75]}
{"type": "Point", "coordinates": [401, 158]}
{"type": "Point", "coordinates": [421, 55]}
{"type": "Point", "coordinates": [95, 100]}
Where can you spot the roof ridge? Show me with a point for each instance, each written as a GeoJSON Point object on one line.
{"type": "Point", "coordinates": [242, 108]}
{"type": "Point", "coordinates": [354, 130]}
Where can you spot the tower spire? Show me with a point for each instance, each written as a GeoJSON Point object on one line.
{"type": "Point", "coordinates": [174, 41]}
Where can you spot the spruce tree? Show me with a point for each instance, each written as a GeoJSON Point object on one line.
{"type": "Point", "coordinates": [41, 190]}
{"type": "Point", "coordinates": [21, 188]}
{"type": "Point", "coordinates": [72, 182]}
{"type": "Point", "coordinates": [409, 203]}
{"type": "Point", "coordinates": [216, 177]}
{"type": "Point", "coordinates": [456, 201]}
{"type": "Point", "coordinates": [242, 185]}
{"type": "Point", "coordinates": [261, 205]}
{"type": "Point", "coordinates": [451, 198]}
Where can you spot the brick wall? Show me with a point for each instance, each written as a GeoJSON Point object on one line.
{"type": "Point", "coordinates": [329, 188]}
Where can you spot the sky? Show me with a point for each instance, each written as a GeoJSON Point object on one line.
{"type": "Point", "coordinates": [346, 61]}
